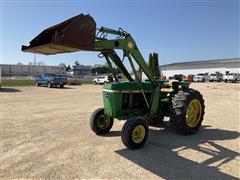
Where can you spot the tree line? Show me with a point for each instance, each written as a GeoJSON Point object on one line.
{"type": "Point", "coordinates": [97, 69]}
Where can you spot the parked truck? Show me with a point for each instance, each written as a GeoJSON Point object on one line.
{"type": "Point", "coordinates": [51, 80]}
{"type": "Point", "coordinates": [201, 77]}
{"type": "Point", "coordinates": [216, 77]}
{"type": "Point", "coordinates": [232, 77]}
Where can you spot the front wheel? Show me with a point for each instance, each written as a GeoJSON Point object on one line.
{"type": "Point", "coordinates": [188, 111]}
{"type": "Point", "coordinates": [134, 132]}
{"type": "Point", "coordinates": [99, 123]}
{"type": "Point", "coordinates": [49, 85]}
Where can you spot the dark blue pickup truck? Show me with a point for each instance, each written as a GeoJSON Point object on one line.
{"type": "Point", "coordinates": [51, 80]}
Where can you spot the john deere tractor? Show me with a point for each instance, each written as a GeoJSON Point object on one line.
{"type": "Point", "coordinates": [140, 103]}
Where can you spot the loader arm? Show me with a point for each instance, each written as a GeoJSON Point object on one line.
{"type": "Point", "coordinates": [111, 54]}
{"type": "Point", "coordinates": [129, 46]}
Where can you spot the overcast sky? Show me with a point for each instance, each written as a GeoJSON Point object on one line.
{"type": "Point", "coordinates": [177, 30]}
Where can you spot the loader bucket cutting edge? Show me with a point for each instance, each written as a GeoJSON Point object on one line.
{"type": "Point", "coordinates": [74, 34]}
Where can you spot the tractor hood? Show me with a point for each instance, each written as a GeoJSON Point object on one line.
{"type": "Point", "coordinates": [74, 34]}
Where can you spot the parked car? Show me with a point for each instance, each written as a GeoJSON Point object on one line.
{"type": "Point", "coordinates": [201, 78]}
{"type": "Point", "coordinates": [51, 80]}
{"type": "Point", "coordinates": [232, 77]}
{"type": "Point", "coordinates": [102, 79]}
{"type": "Point", "coordinates": [216, 77]}
{"type": "Point", "coordinates": [170, 77]}
{"type": "Point", "coordinates": [190, 77]}
{"type": "Point", "coordinates": [178, 77]}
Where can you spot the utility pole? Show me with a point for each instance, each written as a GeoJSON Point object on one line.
{"type": "Point", "coordinates": [34, 64]}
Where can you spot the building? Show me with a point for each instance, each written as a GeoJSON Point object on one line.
{"type": "Point", "coordinates": [80, 71]}
{"type": "Point", "coordinates": [30, 70]}
{"type": "Point", "coordinates": [224, 66]}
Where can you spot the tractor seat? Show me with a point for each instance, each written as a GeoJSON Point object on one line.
{"type": "Point", "coordinates": [169, 83]}
{"type": "Point", "coordinates": [168, 86]}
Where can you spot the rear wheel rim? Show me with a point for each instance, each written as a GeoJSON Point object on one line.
{"type": "Point", "coordinates": [138, 134]}
{"type": "Point", "coordinates": [193, 113]}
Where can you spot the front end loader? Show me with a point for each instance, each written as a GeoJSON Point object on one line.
{"type": "Point", "coordinates": [140, 103]}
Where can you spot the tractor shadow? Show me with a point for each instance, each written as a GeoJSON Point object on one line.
{"type": "Point", "coordinates": [112, 134]}
{"type": "Point", "coordinates": [9, 90]}
{"type": "Point", "coordinates": [161, 154]}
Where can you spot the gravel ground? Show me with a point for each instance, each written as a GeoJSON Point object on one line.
{"type": "Point", "coordinates": [45, 134]}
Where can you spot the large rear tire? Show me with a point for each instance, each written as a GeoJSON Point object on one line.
{"type": "Point", "coordinates": [99, 123]}
{"type": "Point", "coordinates": [134, 132]}
{"type": "Point", "coordinates": [188, 112]}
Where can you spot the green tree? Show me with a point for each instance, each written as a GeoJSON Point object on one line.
{"type": "Point", "coordinates": [103, 70]}
{"type": "Point", "coordinates": [68, 68]}
{"type": "Point", "coordinates": [77, 63]}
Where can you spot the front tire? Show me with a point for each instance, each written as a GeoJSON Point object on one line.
{"type": "Point", "coordinates": [99, 123]}
{"type": "Point", "coordinates": [49, 85]}
{"type": "Point", "coordinates": [188, 112]}
{"type": "Point", "coordinates": [134, 132]}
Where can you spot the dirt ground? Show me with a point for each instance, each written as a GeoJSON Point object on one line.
{"type": "Point", "coordinates": [45, 134]}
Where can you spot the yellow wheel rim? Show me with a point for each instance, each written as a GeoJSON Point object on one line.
{"type": "Point", "coordinates": [138, 134]}
{"type": "Point", "coordinates": [193, 113]}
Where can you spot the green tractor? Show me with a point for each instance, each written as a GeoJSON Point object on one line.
{"type": "Point", "coordinates": [140, 103]}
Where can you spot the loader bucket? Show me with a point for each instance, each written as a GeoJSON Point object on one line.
{"type": "Point", "coordinates": [77, 33]}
